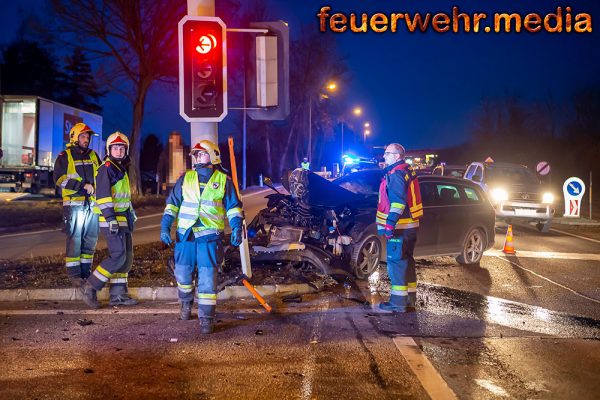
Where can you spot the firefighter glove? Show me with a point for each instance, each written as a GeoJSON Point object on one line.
{"type": "Point", "coordinates": [389, 232]}
{"type": "Point", "coordinates": [165, 237]}
{"type": "Point", "coordinates": [113, 226]}
{"type": "Point", "coordinates": [236, 236]}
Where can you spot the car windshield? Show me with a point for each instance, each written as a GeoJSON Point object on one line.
{"type": "Point", "coordinates": [516, 174]}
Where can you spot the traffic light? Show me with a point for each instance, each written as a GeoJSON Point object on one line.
{"type": "Point", "coordinates": [268, 72]}
{"type": "Point", "coordinates": [202, 69]}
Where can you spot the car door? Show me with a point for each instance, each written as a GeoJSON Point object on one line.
{"type": "Point", "coordinates": [453, 216]}
{"type": "Point", "coordinates": [427, 237]}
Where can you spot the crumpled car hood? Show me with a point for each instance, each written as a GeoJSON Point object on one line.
{"type": "Point", "coordinates": [314, 190]}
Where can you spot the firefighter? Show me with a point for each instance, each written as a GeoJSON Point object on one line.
{"type": "Point", "coordinates": [398, 212]}
{"type": "Point", "coordinates": [305, 164]}
{"type": "Point", "coordinates": [200, 201]}
{"type": "Point", "coordinates": [116, 219]}
{"type": "Point", "coordinates": [74, 171]}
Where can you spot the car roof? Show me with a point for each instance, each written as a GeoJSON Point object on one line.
{"type": "Point", "coordinates": [503, 165]}
{"type": "Point", "coordinates": [422, 178]}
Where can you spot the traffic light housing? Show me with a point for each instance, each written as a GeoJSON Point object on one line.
{"type": "Point", "coordinates": [202, 69]}
{"type": "Point", "coordinates": [268, 69]}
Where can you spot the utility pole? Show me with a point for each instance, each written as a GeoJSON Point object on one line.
{"type": "Point", "coordinates": [310, 128]}
{"type": "Point", "coordinates": [203, 130]}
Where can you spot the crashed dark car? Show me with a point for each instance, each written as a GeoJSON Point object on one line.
{"type": "Point", "coordinates": [331, 224]}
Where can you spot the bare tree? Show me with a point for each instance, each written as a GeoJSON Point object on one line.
{"type": "Point", "coordinates": [135, 40]}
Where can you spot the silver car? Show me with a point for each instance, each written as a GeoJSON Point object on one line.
{"type": "Point", "coordinates": [515, 192]}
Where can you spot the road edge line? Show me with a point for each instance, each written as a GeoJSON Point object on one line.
{"type": "Point", "coordinates": [549, 280]}
{"type": "Point", "coordinates": [431, 380]}
{"type": "Point", "coordinates": [574, 235]}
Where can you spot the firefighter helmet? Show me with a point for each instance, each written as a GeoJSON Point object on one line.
{"type": "Point", "coordinates": [117, 138]}
{"type": "Point", "coordinates": [77, 130]}
{"type": "Point", "coordinates": [211, 148]}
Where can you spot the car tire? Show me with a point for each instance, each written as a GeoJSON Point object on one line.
{"type": "Point", "coordinates": [366, 256]}
{"type": "Point", "coordinates": [543, 226]}
{"type": "Point", "coordinates": [473, 247]}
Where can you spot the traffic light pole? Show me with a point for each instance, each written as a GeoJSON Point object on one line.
{"type": "Point", "coordinates": [203, 130]}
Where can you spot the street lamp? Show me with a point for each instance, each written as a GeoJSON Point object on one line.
{"type": "Point", "coordinates": [366, 133]}
{"type": "Point", "coordinates": [357, 111]}
{"type": "Point", "coordinates": [331, 87]}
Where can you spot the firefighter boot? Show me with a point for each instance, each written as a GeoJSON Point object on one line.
{"type": "Point", "coordinates": [206, 325]}
{"type": "Point", "coordinates": [90, 297]}
{"type": "Point", "coordinates": [398, 304]}
{"type": "Point", "coordinates": [122, 299]}
{"type": "Point", "coordinates": [185, 312]}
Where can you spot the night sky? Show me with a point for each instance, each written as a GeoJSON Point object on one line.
{"type": "Point", "coordinates": [421, 89]}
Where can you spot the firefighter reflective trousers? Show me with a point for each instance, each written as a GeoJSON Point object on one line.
{"type": "Point", "coordinates": [114, 269]}
{"type": "Point", "coordinates": [81, 228]}
{"type": "Point", "coordinates": [401, 267]}
{"type": "Point", "coordinates": [205, 253]}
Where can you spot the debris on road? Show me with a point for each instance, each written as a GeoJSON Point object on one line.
{"type": "Point", "coordinates": [173, 340]}
{"type": "Point", "coordinates": [84, 322]}
{"type": "Point", "coordinates": [292, 298]}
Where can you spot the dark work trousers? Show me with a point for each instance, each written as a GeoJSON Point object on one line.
{"type": "Point", "coordinates": [205, 253]}
{"type": "Point", "coordinates": [81, 227]}
{"type": "Point", "coordinates": [401, 267]}
{"type": "Point", "coordinates": [114, 269]}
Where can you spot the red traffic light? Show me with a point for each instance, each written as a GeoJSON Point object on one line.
{"type": "Point", "coordinates": [206, 43]}
{"type": "Point", "coordinates": [202, 68]}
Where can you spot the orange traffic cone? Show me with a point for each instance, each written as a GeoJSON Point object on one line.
{"type": "Point", "coordinates": [509, 248]}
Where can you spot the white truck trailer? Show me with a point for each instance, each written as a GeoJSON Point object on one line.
{"type": "Point", "coordinates": [33, 131]}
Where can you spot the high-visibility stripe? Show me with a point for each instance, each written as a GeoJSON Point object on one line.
{"type": "Point", "coordinates": [234, 212]}
{"type": "Point", "coordinates": [207, 295]}
{"type": "Point", "coordinates": [87, 256]}
{"type": "Point", "coordinates": [102, 271]}
{"type": "Point", "coordinates": [104, 200]}
{"type": "Point", "coordinates": [67, 259]}
{"type": "Point", "coordinates": [72, 264]}
{"type": "Point", "coordinates": [185, 288]}
{"type": "Point", "coordinates": [412, 287]}
{"type": "Point", "coordinates": [118, 280]}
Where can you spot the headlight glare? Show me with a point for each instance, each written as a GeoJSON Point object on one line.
{"type": "Point", "coordinates": [548, 198]}
{"type": "Point", "coordinates": [499, 194]}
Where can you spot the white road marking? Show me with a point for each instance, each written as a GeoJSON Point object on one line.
{"type": "Point", "coordinates": [549, 280]}
{"type": "Point", "coordinates": [146, 227]}
{"type": "Point", "coordinates": [546, 254]}
{"type": "Point", "coordinates": [433, 383]}
{"type": "Point", "coordinates": [28, 233]}
{"type": "Point", "coordinates": [492, 387]}
{"type": "Point", "coordinates": [308, 372]}
{"type": "Point", "coordinates": [574, 235]}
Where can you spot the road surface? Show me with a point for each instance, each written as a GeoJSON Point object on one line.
{"type": "Point", "coordinates": [523, 327]}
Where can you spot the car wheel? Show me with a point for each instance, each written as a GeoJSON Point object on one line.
{"type": "Point", "coordinates": [473, 248]}
{"type": "Point", "coordinates": [543, 226]}
{"type": "Point", "coordinates": [366, 255]}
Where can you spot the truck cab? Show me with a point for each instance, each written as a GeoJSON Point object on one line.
{"type": "Point", "coordinates": [515, 192]}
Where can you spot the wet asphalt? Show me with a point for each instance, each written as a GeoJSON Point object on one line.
{"type": "Point", "coordinates": [513, 327]}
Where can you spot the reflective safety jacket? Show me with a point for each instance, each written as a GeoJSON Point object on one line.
{"type": "Point", "coordinates": [399, 202]}
{"type": "Point", "coordinates": [200, 200]}
{"type": "Point", "coordinates": [113, 195]}
{"type": "Point", "coordinates": [73, 168]}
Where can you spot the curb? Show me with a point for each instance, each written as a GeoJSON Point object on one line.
{"type": "Point", "coordinates": [155, 293]}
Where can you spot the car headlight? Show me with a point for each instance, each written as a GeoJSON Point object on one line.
{"type": "Point", "coordinates": [499, 194]}
{"type": "Point", "coordinates": [548, 198]}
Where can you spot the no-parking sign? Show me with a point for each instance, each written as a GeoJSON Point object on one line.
{"type": "Point", "coordinates": [573, 189]}
{"type": "Point", "coordinates": [543, 168]}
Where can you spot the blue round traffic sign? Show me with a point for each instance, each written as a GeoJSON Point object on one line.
{"type": "Point", "coordinates": [574, 188]}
